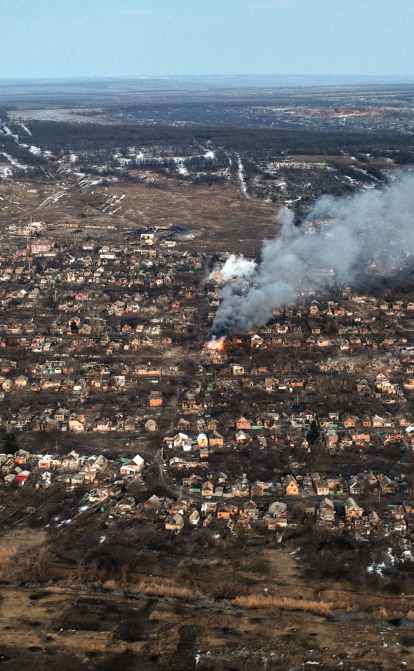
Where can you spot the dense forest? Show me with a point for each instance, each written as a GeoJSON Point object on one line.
{"type": "Point", "coordinates": [294, 167]}
{"type": "Point", "coordinates": [259, 143]}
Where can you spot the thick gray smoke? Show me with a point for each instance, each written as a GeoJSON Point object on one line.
{"type": "Point", "coordinates": [374, 228]}
{"type": "Point", "coordinates": [235, 268]}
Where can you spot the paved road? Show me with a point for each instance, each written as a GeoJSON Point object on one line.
{"type": "Point", "coordinates": [172, 487]}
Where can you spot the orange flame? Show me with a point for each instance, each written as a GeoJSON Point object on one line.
{"type": "Point", "coordinates": [216, 344]}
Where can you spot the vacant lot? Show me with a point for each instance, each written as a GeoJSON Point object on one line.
{"type": "Point", "coordinates": [57, 629]}
{"type": "Point", "coordinates": [221, 217]}
{"type": "Point", "coordinates": [160, 623]}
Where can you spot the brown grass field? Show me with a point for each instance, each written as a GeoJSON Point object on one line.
{"type": "Point", "coordinates": [158, 622]}
{"type": "Point", "coordinates": [220, 216]}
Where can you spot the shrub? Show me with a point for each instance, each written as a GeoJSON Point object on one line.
{"type": "Point", "coordinates": [321, 608]}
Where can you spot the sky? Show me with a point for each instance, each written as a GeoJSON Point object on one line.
{"type": "Point", "coordinates": [123, 38]}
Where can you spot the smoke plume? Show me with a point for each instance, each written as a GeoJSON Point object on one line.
{"type": "Point", "coordinates": [339, 241]}
{"type": "Point", "coordinates": [235, 268]}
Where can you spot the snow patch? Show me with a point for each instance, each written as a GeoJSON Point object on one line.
{"type": "Point", "coordinates": [25, 128]}
{"type": "Point", "coordinates": [8, 132]}
{"type": "Point", "coordinates": [13, 161]}
{"type": "Point", "coordinates": [5, 172]}
{"type": "Point", "coordinates": [179, 161]}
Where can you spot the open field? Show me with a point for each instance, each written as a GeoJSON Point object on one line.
{"type": "Point", "coordinates": [160, 623]}
{"type": "Point", "coordinates": [59, 629]}
{"type": "Point", "coordinates": [219, 216]}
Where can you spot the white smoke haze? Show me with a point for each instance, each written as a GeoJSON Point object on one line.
{"type": "Point", "coordinates": [235, 268]}
{"type": "Point", "coordinates": [372, 226]}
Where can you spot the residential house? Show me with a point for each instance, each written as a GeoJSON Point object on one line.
{"type": "Point", "coordinates": [21, 457]}
{"type": "Point", "coordinates": [309, 509]}
{"type": "Point", "coordinates": [256, 341]}
{"type": "Point", "coordinates": [237, 369]}
{"type": "Point", "coordinates": [323, 341]}
{"type": "Point", "coordinates": [174, 522]}
{"type": "Point", "coordinates": [216, 439]}
{"type": "Point", "coordinates": [259, 488]}
{"type": "Point", "coordinates": [409, 383]}
{"type": "Point", "coordinates": [350, 421]}
{"type": "Point", "coordinates": [291, 486]}
{"type": "Point", "coordinates": [326, 510]}
{"type": "Point", "coordinates": [130, 424]}
{"type": "Point", "coordinates": [243, 423]}
{"type": "Point", "coordinates": [361, 438]}
{"type": "Point", "coordinates": [155, 398]}
{"type": "Point", "coordinates": [331, 438]}
{"type": "Point", "coordinates": [194, 518]}
{"type": "Point", "coordinates": [352, 509]}
{"type": "Point", "coordinates": [99, 464]}
{"type": "Point", "coordinates": [355, 486]}
{"type": "Point", "coordinates": [204, 452]}
{"type": "Point", "coordinates": [335, 485]}
{"type": "Point", "coordinates": [387, 486]}
{"type": "Point", "coordinates": [150, 425]}
{"type": "Point", "coordinates": [7, 464]}
{"type": "Point", "coordinates": [398, 512]}
{"type": "Point", "coordinates": [76, 425]}
{"type": "Point", "coordinates": [183, 424]}
{"type": "Point", "coordinates": [321, 487]}
{"type": "Point", "coordinates": [250, 508]}
{"type": "Point", "coordinates": [201, 424]}
{"type": "Point", "coordinates": [132, 467]}
{"type": "Point", "coordinates": [182, 440]}
{"type": "Point", "coordinates": [409, 507]}
{"type": "Point", "coordinates": [45, 462]}
{"type": "Point", "coordinates": [211, 424]}
{"type": "Point", "coordinates": [103, 425]}
{"type": "Point", "coordinates": [202, 440]}
{"type": "Point", "coordinates": [61, 415]}
{"type": "Point", "coordinates": [207, 488]}
{"type": "Point", "coordinates": [22, 477]}
{"type": "Point", "coordinates": [399, 525]}
{"type": "Point", "coordinates": [126, 504]}
{"type": "Point", "coordinates": [225, 512]}
{"type": "Point", "coordinates": [362, 386]}
{"type": "Point", "coordinates": [70, 462]}
{"type": "Point", "coordinates": [276, 515]}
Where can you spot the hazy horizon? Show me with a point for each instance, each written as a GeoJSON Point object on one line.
{"type": "Point", "coordinates": [130, 38]}
{"type": "Point", "coordinates": [261, 79]}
